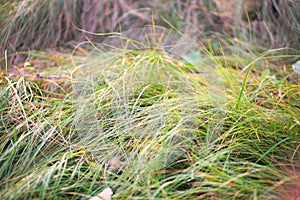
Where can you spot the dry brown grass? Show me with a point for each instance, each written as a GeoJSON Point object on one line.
{"type": "Point", "coordinates": [42, 24]}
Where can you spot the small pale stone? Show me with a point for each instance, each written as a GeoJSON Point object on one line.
{"type": "Point", "coordinates": [104, 195]}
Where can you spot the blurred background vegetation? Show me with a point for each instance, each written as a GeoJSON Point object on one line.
{"type": "Point", "coordinates": [43, 24]}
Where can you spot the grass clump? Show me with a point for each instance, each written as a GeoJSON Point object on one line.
{"type": "Point", "coordinates": [150, 123]}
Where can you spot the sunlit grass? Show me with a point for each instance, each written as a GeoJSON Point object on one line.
{"type": "Point", "coordinates": [147, 119]}
{"type": "Point", "coordinates": [149, 126]}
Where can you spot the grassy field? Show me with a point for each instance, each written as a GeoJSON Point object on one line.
{"type": "Point", "coordinates": [152, 114]}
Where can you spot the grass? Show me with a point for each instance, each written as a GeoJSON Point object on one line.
{"type": "Point", "coordinates": [271, 24]}
{"type": "Point", "coordinates": [150, 125]}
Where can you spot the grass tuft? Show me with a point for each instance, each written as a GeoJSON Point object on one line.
{"type": "Point", "coordinates": [150, 124]}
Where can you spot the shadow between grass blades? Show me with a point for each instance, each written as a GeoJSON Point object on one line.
{"type": "Point", "coordinates": [144, 96]}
